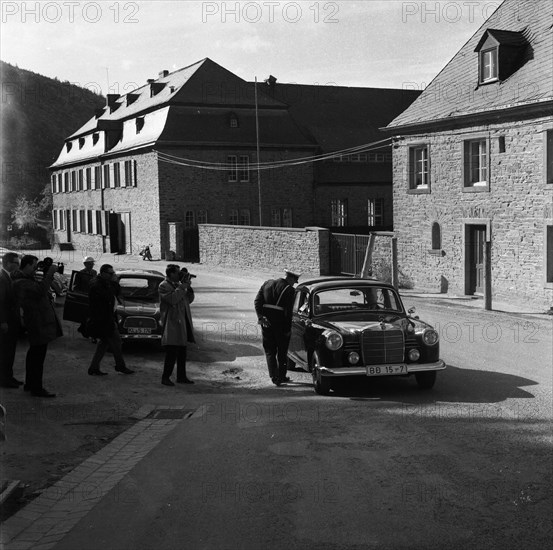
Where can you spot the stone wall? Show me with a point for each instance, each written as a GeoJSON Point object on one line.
{"type": "Point", "coordinates": [305, 250]}
{"type": "Point", "coordinates": [516, 209]}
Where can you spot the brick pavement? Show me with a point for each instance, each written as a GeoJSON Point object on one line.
{"type": "Point", "coordinates": [49, 517]}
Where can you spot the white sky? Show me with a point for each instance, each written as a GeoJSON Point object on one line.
{"type": "Point", "coordinates": [370, 43]}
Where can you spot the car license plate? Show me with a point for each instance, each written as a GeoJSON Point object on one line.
{"type": "Point", "coordinates": [140, 330]}
{"type": "Point", "coordinates": [386, 370]}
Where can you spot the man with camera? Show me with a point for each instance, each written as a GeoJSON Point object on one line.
{"type": "Point", "coordinates": [176, 295]}
{"type": "Point", "coordinates": [39, 318]}
{"type": "Point", "coordinates": [102, 322]}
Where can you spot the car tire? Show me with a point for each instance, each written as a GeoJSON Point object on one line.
{"type": "Point", "coordinates": [321, 383]}
{"type": "Point", "coordinates": [426, 380]}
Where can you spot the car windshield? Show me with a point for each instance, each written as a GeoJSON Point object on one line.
{"type": "Point", "coordinates": [356, 299]}
{"type": "Point", "coordinates": [144, 289]}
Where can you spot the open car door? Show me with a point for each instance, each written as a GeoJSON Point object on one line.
{"type": "Point", "coordinates": [76, 301]}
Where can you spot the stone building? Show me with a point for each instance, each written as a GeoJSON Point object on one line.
{"type": "Point", "coordinates": [182, 150]}
{"type": "Point", "coordinates": [154, 163]}
{"type": "Point", "coordinates": [473, 165]}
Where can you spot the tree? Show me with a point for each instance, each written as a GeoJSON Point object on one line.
{"type": "Point", "coordinates": [29, 214]}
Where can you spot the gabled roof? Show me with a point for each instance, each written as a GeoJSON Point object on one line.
{"type": "Point", "coordinates": [505, 38]}
{"type": "Point", "coordinates": [340, 117]}
{"type": "Point", "coordinates": [455, 92]}
{"type": "Point", "coordinates": [202, 83]}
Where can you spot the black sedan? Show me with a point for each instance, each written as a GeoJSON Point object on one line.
{"type": "Point", "coordinates": [359, 327]}
{"type": "Point", "coordinates": [138, 316]}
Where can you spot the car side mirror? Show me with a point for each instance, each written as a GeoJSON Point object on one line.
{"type": "Point", "coordinates": [411, 310]}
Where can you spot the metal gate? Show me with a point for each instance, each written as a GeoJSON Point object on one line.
{"type": "Point", "coordinates": [347, 253]}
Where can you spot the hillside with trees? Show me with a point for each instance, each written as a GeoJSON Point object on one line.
{"type": "Point", "coordinates": [38, 113]}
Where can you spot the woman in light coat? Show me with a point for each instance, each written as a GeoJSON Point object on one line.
{"type": "Point", "coordinates": [176, 295]}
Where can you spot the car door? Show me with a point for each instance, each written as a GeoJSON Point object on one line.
{"type": "Point", "coordinates": [300, 321]}
{"type": "Point", "coordinates": [76, 300]}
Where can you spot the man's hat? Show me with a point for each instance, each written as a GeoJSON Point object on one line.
{"type": "Point", "coordinates": [89, 259]}
{"type": "Point", "coordinates": [289, 273]}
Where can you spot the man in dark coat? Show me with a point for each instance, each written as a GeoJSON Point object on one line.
{"type": "Point", "coordinates": [102, 323]}
{"type": "Point", "coordinates": [40, 320]}
{"type": "Point", "coordinates": [9, 321]}
{"type": "Point", "coordinates": [273, 306]}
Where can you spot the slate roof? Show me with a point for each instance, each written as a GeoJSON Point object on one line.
{"type": "Point", "coordinates": [340, 117]}
{"type": "Point", "coordinates": [454, 92]}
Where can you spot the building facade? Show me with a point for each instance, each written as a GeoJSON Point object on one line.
{"type": "Point", "coordinates": [473, 172]}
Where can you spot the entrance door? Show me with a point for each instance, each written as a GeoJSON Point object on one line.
{"type": "Point", "coordinates": [476, 243]}
{"type": "Point", "coordinates": [124, 232]}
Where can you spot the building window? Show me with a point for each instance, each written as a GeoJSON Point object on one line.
{"type": "Point", "coordinates": [233, 217]}
{"type": "Point", "coordinates": [286, 217]}
{"type": "Point", "coordinates": [116, 175]}
{"type": "Point", "coordinates": [339, 212]}
{"type": "Point", "coordinates": [418, 167]}
{"type": "Point", "coordinates": [549, 254]}
{"type": "Point", "coordinates": [232, 161]}
{"type": "Point", "coordinates": [73, 180]}
{"type": "Point", "coordinates": [97, 177]}
{"type": "Point", "coordinates": [189, 219]}
{"type": "Point", "coordinates": [82, 221]}
{"type": "Point", "coordinates": [233, 121]}
{"type": "Point", "coordinates": [66, 187]}
{"type": "Point", "coordinates": [375, 212]}
{"type": "Point", "coordinates": [55, 219]}
{"type": "Point", "coordinates": [244, 168]}
{"type": "Point", "coordinates": [89, 221]}
{"type": "Point", "coordinates": [62, 219]}
{"type": "Point", "coordinates": [107, 180]}
{"type": "Point", "coordinates": [80, 175]}
{"type": "Point", "coordinates": [275, 217]}
{"type": "Point", "coordinates": [244, 216]}
{"type": "Point", "coordinates": [130, 175]}
{"type": "Point", "coordinates": [476, 162]}
{"type": "Point", "coordinates": [74, 221]}
{"type": "Point", "coordinates": [549, 157]}
{"type": "Point", "coordinates": [488, 65]}
{"type": "Point", "coordinates": [98, 214]}
{"type": "Point", "coordinates": [53, 185]}
{"type": "Point", "coordinates": [436, 236]}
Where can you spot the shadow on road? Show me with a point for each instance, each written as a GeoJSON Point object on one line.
{"type": "Point", "coordinates": [455, 385]}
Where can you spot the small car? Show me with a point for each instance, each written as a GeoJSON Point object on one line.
{"type": "Point", "coordinates": [359, 327]}
{"type": "Point", "coordinates": [138, 315]}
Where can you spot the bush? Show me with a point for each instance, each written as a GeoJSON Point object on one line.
{"type": "Point", "coordinates": [24, 243]}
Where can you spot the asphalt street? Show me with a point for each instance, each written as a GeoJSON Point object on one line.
{"type": "Point", "coordinates": [379, 464]}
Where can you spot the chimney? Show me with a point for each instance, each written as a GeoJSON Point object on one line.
{"type": "Point", "coordinates": [150, 80]}
{"type": "Point", "coordinates": [111, 99]}
{"type": "Point", "coordinates": [164, 73]}
{"type": "Point", "coordinates": [271, 81]}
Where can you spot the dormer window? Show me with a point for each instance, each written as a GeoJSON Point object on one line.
{"type": "Point", "coordinates": [500, 54]}
{"type": "Point", "coordinates": [156, 87]}
{"type": "Point", "coordinates": [95, 138]}
{"type": "Point", "coordinates": [68, 146]}
{"type": "Point", "coordinates": [488, 65]}
{"type": "Point", "coordinates": [81, 143]}
{"type": "Point", "coordinates": [139, 124]}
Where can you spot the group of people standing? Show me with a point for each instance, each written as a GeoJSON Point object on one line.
{"type": "Point", "coordinates": [21, 292]}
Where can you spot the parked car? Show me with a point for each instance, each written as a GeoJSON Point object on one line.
{"type": "Point", "coordinates": [359, 327]}
{"type": "Point", "coordinates": [138, 316]}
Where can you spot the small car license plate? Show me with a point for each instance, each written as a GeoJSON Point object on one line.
{"type": "Point", "coordinates": [386, 370]}
{"type": "Point", "coordinates": [140, 330]}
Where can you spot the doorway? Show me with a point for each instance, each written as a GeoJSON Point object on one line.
{"type": "Point", "coordinates": [120, 232]}
{"type": "Point", "coordinates": [475, 242]}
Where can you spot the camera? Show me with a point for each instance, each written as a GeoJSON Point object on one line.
{"type": "Point", "coordinates": [184, 276]}
{"type": "Point", "coordinates": [45, 264]}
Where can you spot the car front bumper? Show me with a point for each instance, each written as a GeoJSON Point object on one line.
{"type": "Point", "coordinates": [140, 336]}
{"type": "Point", "coordinates": [362, 370]}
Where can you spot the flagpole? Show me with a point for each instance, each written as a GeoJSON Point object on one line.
{"type": "Point", "coordinates": [258, 156]}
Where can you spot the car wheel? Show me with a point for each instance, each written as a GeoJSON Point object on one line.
{"type": "Point", "coordinates": [426, 380]}
{"type": "Point", "coordinates": [321, 384]}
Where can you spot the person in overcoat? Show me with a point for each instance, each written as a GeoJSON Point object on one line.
{"type": "Point", "coordinates": [175, 296]}
{"type": "Point", "coordinates": [39, 318]}
{"type": "Point", "coordinates": [9, 321]}
{"type": "Point", "coordinates": [102, 323]}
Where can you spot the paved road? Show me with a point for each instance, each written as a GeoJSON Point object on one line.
{"type": "Point", "coordinates": [380, 464]}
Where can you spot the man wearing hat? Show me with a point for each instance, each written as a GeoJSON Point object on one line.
{"type": "Point", "coordinates": [83, 278]}
{"type": "Point", "coordinates": [273, 306]}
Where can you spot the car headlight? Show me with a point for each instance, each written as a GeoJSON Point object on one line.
{"type": "Point", "coordinates": [334, 340]}
{"type": "Point", "coordinates": [430, 337]}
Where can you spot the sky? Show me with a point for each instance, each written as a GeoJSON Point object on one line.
{"type": "Point", "coordinates": [390, 43]}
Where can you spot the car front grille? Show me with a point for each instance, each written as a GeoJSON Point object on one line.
{"type": "Point", "coordinates": [382, 346]}
{"type": "Point", "coordinates": [140, 322]}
